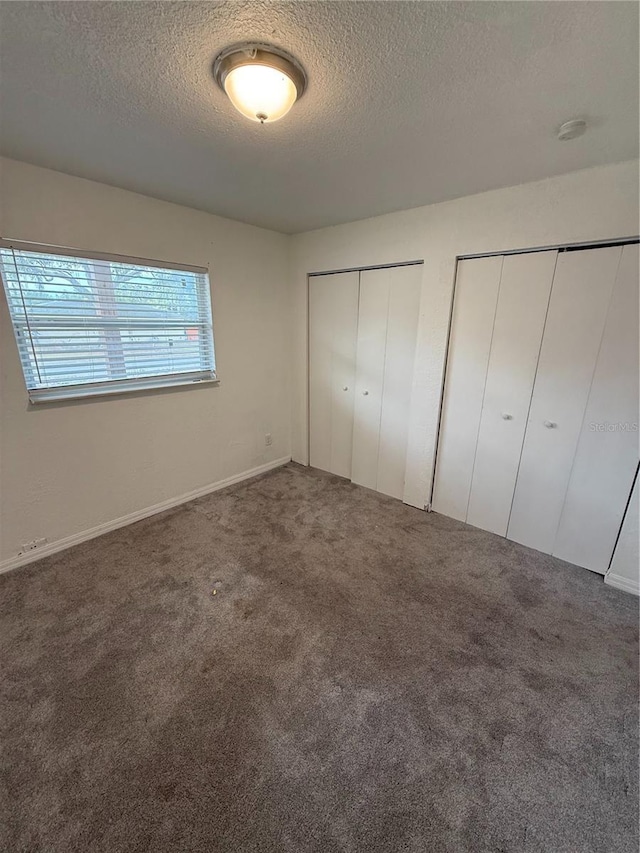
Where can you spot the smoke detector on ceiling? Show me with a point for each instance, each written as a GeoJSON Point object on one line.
{"type": "Point", "coordinates": [571, 129]}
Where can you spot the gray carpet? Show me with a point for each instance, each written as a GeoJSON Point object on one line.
{"type": "Point", "coordinates": [368, 677]}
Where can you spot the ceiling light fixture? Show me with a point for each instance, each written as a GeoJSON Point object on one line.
{"type": "Point", "coordinates": [571, 129]}
{"type": "Point", "coordinates": [261, 81]}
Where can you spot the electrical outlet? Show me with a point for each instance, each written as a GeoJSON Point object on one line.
{"type": "Point", "coordinates": [31, 546]}
{"type": "Point", "coordinates": [268, 440]}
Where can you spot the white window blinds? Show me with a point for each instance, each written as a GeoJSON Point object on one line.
{"type": "Point", "coordinates": [99, 325]}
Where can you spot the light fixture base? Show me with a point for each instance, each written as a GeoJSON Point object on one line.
{"type": "Point", "coordinates": [259, 53]}
{"type": "Point", "coordinates": [571, 129]}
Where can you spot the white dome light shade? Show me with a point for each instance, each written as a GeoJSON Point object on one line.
{"type": "Point", "coordinates": [262, 82]}
{"type": "Point", "coordinates": [259, 92]}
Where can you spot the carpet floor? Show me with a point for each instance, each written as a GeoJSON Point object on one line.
{"type": "Point", "coordinates": [367, 677]}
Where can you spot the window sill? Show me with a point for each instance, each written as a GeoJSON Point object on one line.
{"type": "Point", "coordinates": [38, 397]}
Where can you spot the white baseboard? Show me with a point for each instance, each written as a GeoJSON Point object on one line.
{"type": "Point", "coordinates": [138, 515]}
{"type": "Point", "coordinates": [624, 584]}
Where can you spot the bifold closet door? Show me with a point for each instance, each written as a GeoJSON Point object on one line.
{"type": "Point", "coordinates": [523, 299]}
{"type": "Point", "coordinates": [386, 340]}
{"type": "Point", "coordinates": [400, 348]}
{"type": "Point", "coordinates": [333, 323]}
{"type": "Point", "coordinates": [580, 297]}
{"type": "Point", "coordinates": [607, 455]}
{"type": "Point", "coordinates": [497, 324]}
{"type": "Point", "coordinates": [474, 309]}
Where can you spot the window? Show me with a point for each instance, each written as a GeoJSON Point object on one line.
{"type": "Point", "coordinates": [104, 324]}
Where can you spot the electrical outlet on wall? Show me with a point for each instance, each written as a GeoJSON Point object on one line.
{"type": "Point", "coordinates": [268, 440]}
{"type": "Point", "coordinates": [31, 546]}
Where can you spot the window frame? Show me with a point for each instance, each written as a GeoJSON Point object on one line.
{"type": "Point", "coordinates": [112, 387]}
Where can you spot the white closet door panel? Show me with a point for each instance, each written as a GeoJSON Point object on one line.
{"type": "Point", "coordinates": [320, 343]}
{"type": "Point", "coordinates": [625, 565]}
{"type": "Point", "coordinates": [344, 375]}
{"type": "Point", "coordinates": [525, 286]}
{"type": "Point", "coordinates": [575, 321]}
{"type": "Point", "coordinates": [474, 309]}
{"type": "Point", "coordinates": [607, 454]}
{"type": "Point", "coordinates": [402, 325]}
{"type": "Point", "coordinates": [370, 356]}
{"type": "Point", "coordinates": [333, 321]}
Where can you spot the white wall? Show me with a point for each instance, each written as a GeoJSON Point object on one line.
{"type": "Point", "coordinates": [67, 468]}
{"type": "Point", "coordinates": [594, 204]}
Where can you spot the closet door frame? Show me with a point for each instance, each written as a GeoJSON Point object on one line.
{"type": "Point", "coordinates": [318, 273]}
{"type": "Point", "coordinates": [559, 247]}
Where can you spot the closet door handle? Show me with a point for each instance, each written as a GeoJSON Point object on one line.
{"type": "Point", "coordinates": [345, 387]}
{"type": "Point", "coordinates": [506, 416]}
{"type": "Point", "coordinates": [550, 424]}
{"type": "Point", "coordinates": [365, 393]}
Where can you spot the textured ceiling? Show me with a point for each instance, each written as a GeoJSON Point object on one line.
{"type": "Point", "coordinates": [408, 103]}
